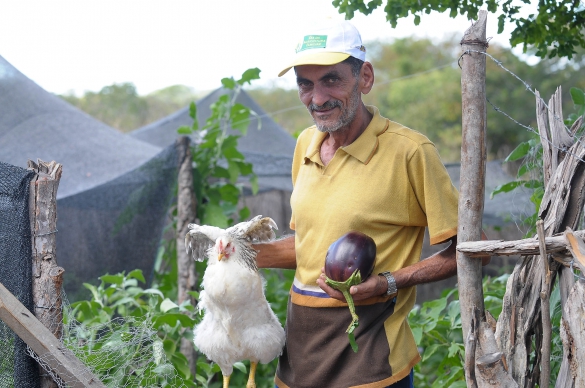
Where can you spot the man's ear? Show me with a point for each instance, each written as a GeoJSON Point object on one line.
{"type": "Point", "coordinates": [366, 77]}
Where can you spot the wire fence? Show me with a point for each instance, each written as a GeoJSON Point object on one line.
{"type": "Point", "coordinates": [531, 90]}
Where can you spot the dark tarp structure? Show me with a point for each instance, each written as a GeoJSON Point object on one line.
{"type": "Point", "coordinates": [268, 146]}
{"type": "Point", "coordinates": [114, 192]}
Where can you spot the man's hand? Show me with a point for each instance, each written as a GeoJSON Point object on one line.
{"type": "Point", "coordinates": [375, 285]}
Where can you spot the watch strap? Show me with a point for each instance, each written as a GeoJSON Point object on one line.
{"type": "Point", "coordinates": [392, 289]}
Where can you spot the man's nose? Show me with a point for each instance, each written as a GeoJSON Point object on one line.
{"type": "Point", "coordinates": [320, 96]}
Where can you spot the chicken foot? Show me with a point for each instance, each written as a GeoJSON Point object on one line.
{"type": "Point", "coordinates": [252, 376]}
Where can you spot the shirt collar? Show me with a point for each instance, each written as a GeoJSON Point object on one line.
{"type": "Point", "coordinates": [362, 148]}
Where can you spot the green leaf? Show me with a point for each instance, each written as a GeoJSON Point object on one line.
{"type": "Point", "coordinates": [430, 351]}
{"type": "Point", "coordinates": [113, 279]}
{"type": "Point", "coordinates": [220, 172]}
{"type": "Point", "coordinates": [181, 364]}
{"type": "Point", "coordinates": [416, 20]}
{"type": "Point", "coordinates": [244, 213]}
{"type": "Point", "coordinates": [214, 216]}
{"type": "Point", "coordinates": [93, 290]}
{"type": "Point", "coordinates": [193, 112]}
{"type": "Point", "coordinates": [234, 171]}
{"type": "Point", "coordinates": [434, 308]}
{"type": "Point", "coordinates": [230, 193]}
{"type": "Point", "coordinates": [249, 75]}
{"type": "Point", "coordinates": [578, 96]}
{"type": "Point", "coordinates": [169, 346]}
{"type": "Point", "coordinates": [417, 332]}
{"type": "Point", "coordinates": [501, 23]}
{"type": "Point", "coordinates": [519, 152]}
{"type": "Point", "coordinates": [506, 187]}
{"type": "Point", "coordinates": [254, 184]}
{"type": "Point", "coordinates": [137, 274]}
{"type": "Point", "coordinates": [231, 153]}
{"type": "Point", "coordinates": [123, 301]}
{"type": "Point", "coordinates": [168, 305]}
{"type": "Point", "coordinates": [241, 367]}
{"type": "Point", "coordinates": [228, 83]}
{"type": "Point", "coordinates": [164, 369]}
{"type": "Point", "coordinates": [240, 118]}
{"type": "Point", "coordinates": [246, 168]}
{"type": "Point", "coordinates": [184, 130]}
{"type": "Point", "coordinates": [172, 319]}
{"type": "Point", "coordinates": [154, 291]}
{"type": "Point", "coordinates": [532, 184]}
{"type": "Point", "coordinates": [454, 349]}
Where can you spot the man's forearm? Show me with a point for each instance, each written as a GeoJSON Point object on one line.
{"type": "Point", "coordinates": [277, 254]}
{"type": "Point", "coordinates": [441, 265]}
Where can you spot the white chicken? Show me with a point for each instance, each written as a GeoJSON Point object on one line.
{"type": "Point", "coordinates": [238, 323]}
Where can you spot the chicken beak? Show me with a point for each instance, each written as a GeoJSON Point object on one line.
{"type": "Point", "coordinates": [220, 256]}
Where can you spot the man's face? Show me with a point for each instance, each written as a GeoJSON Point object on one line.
{"type": "Point", "coordinates": [330, 93]}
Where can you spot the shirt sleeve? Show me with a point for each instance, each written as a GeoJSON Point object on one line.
{"type": "Point", "coordinates": [435, 193]}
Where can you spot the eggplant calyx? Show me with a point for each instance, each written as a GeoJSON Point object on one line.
{"type": "Point", "coordinates": [354, 279]}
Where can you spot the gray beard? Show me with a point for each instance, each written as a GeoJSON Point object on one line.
{"type": "Point", "coordinates": [347, 115]}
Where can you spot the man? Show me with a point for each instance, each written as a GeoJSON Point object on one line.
{"type": "Point", "coordinates": [356, 170]}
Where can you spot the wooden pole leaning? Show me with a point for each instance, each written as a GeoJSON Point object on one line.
{"type": "Point", "coordinates": [44, 343]}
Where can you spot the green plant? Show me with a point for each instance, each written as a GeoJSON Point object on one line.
{"type": "Point", "coordinates": [217, 162]}
{"type": "Point", "coordinates": [128, 335]}
{"type": "Point", "coordinates": [436, 326]}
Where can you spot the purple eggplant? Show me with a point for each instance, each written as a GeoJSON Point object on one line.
{"type": "Point", "coordinates": [349, 261]}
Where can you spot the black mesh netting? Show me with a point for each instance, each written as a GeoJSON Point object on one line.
{"type": "Point", "coordinates": [113, 227]}
{"type": "Point", "coordinates": [116, 226]}
{"type": "Point", "coordinates": [17, 368]}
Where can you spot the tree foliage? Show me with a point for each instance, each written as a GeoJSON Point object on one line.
{"type": "Point", "coordinates": [555, 30]}
{"type": "Point", "coordinates": [120, 105]}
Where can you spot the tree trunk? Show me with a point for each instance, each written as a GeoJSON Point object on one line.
{"type": "Point", "coordinates": [47, 275]}
{"type": "Point", "coordinates": [186, 205]}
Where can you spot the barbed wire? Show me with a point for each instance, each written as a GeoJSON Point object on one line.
{"type": "Point", "coordinates": [529, 88]}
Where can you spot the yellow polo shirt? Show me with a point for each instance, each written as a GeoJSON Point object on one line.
{"type": "Point", "coordinates": [389, 184]}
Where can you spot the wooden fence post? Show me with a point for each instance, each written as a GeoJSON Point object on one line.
{"type": "Point", "coordinates": [186, 206]}
{"type": "Point", "coordinates": [47, 275]}
{"type": "Point", "coordinates": [473, 160]}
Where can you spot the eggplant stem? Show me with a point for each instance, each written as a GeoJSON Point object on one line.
{"type": "Point", "coordinates": [350, 304]}
{"type": "Point", "coordinates": [355, 278]}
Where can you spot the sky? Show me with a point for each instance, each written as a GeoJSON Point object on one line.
{"type": "Point", "coordinates": [73, 46]}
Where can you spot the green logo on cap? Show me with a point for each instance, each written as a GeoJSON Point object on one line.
{"type": "Point", "coordinates": [313, 42]}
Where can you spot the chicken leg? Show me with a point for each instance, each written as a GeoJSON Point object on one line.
{"type": "Point", "coordinates": [252, 376]}
{"type": "Point", "coordinates": [226, 381]}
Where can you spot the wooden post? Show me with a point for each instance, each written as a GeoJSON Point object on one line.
{"type": "Point", "coordinates": [47, 275]}
{"type": "Point", "coordinates": [473, 160]}
{"type": "Point", "coordinates": [43, 342]}
{"type": "Point", "coordinates": [186, 206]}
{"type": "Point", "coordinates": [545, 308]}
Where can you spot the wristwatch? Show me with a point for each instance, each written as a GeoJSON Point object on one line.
{"type": "Point", "coordinates": [391, 283]}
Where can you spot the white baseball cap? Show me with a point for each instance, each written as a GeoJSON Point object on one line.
{"type": "Point", "coordinates": [329, 44]}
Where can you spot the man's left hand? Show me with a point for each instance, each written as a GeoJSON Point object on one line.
{"type": "Point", "coordinates": [375, 285]}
